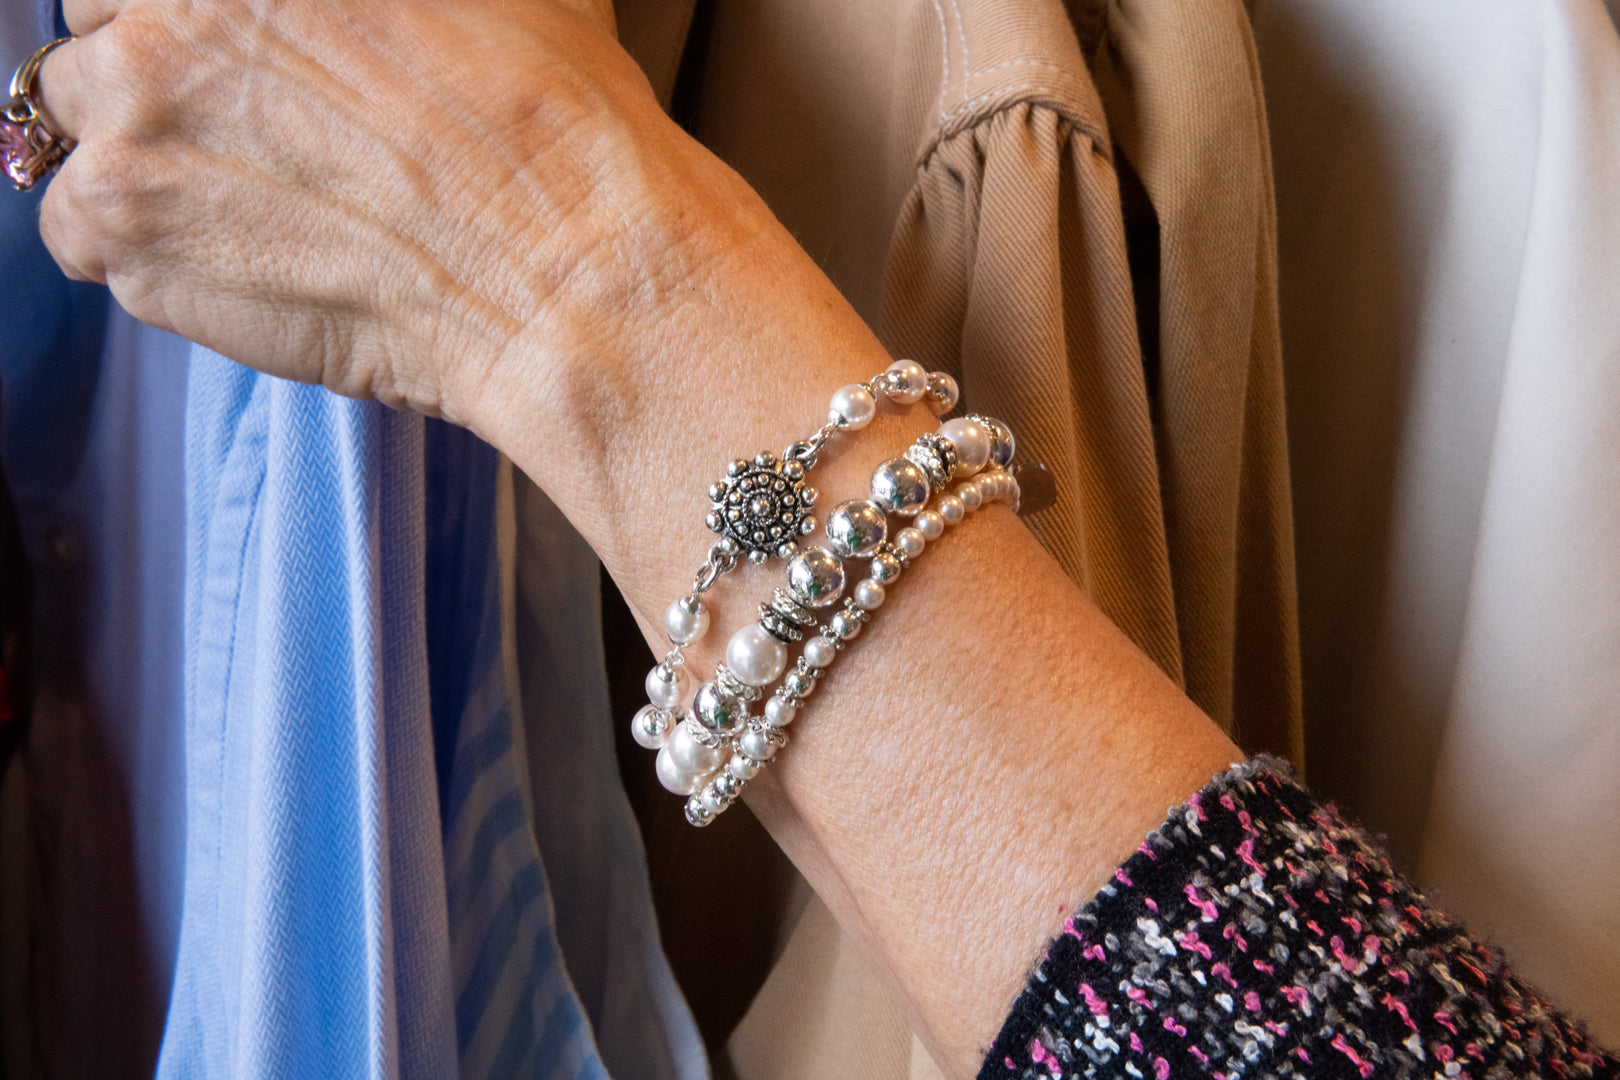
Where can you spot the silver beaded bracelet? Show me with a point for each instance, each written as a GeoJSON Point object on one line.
{"type": "Point", "coordinates": [711, 752]}
{"type": "Point", "coordinates": [761, 508]}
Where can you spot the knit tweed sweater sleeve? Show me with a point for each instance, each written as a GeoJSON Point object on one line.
{"type": "Point", "coordinates": [1256, 934]}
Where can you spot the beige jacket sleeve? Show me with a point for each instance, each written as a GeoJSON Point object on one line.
{"type": "Point", "coordinates": [952, 165]}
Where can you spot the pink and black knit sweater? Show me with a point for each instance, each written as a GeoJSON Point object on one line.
{"type": "Point", "coordinates": [1256, 934]}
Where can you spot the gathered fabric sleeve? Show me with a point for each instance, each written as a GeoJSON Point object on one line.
{"type": "Point", "coordinates": [1256, 933]}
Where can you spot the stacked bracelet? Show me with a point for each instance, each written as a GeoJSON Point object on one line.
{"type": "Point", "coordinates": [761, 508]}
{"type": "Point", "coordinates": [763, 737]}
{"type": "Point", "coordinates": [712, 750]}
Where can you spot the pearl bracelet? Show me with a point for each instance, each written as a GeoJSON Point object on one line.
{"type": "Point", "coordinates": [711, 752]}
{"type": "Point", "coordinates": [760, 508]}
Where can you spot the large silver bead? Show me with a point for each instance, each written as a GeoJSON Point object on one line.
{"type": "Point", "coordinates": [816, 577]}
{"type": "Point", "coordinates": [718, 712]}
{"type": "Point", "coordinates": [900, 486]}
{"type": "Point", "coordinates": [856, 528]}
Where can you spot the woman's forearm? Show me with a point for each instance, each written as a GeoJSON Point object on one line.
{"type": "Point", "coordinates": [988, 750]}
{"type": "Point", "coordinates": [489, 218]}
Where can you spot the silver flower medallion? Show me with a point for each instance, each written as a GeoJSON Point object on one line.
{"type": "Point", "coordinates": [763, 505]}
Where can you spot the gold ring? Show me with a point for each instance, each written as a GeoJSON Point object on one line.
{"type": "Point", "coordinates": [29, 149]}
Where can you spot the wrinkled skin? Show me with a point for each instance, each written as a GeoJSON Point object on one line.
{"type": "Point", "coordinates": [319, 190]}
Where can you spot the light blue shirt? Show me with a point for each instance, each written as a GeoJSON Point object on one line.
{"type": "Point", "coordinates": [282, 611]}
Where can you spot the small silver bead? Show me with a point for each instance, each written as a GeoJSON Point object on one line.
{"type": "Point", "coordinates": [697, 815]}
{"type": "Point", "coordinates": [907, 382]}
{"type": "Point", "coordinates": [942, 393]}
{"type": "Point", "coordinates": [1002, 443]}
{"type": "Point", "coordinates": [910, 542]}
{"type": "Point", "coordinates": [778, 713]}
{"type": "Point", "coordinates": [728, 787]}
{"type": "Point", "coordinates": [869, 595]}
{"type": "Point", "coordinates": [856, 528]}
{"type": "Point", "coordinates": [718, 712]}
{"type": "Point", "coordinates": [816, 577]}
{"type": "Point", "coordinates": [799, 685]}
{"type": "Point", "coordinates": [819, 652]}
{"type": "Point", "coordinates": [885, 568]}
{"type": "Point", "coordinates": [900, 486]}
{"type": "Point", "coordinates": [844, 626]}
{"type": "Point", "coordinates": [650, 727]}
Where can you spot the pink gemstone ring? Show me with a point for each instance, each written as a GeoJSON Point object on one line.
{"type": "Point", "coordinates": [29, 149]}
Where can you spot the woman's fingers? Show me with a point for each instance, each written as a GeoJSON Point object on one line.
{"type": "Point", "coordinates": [60, 89]}
{"type": "Point", "coordinates": [86, 16]}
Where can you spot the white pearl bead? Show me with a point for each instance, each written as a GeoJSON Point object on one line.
{"type": "Point", "coordinates": [674, 778]}
{"type": "Point", "coordinates": [778, 712]}
{"type": "Point", "coordinates": [931, 524]}
{"type": "Point", "coordinates": [909, 382]}
{"type": "Point", "coordinates": [819, 652]}
{"type": "Point", "coordinates": [754, 656]}
{"type": "Point", "coordinates": [757, 746]}
{"type": "Point", "coordinates": [869, 595]}
{"type": "Point", "coordinates": [909, 542]}
{"type": "Point", "coordinates": [951, 509]}
{"type": "Point", "coordinates": [666, 686]}
{"type": "Point", "coordinates": [650, 727]}
{"type": "Point", "coordinates": [942, 393]}
{"type": "Point", "coordinates": [972, 444]}
{"type": "Point", "coordinates": [742, 768]}
{"type": "Point", "coordinates": [694, 758]}
{"type": "Point", "coordinates": [969, 494]}
{"type": "Point", "coordinates": [853, 407]}
{"type": "Point", "coordinates": [685, 626]}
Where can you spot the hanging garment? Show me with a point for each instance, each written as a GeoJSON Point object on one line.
{"type": "Point", "coordinates": [277, 756]}
{"type": "Point", "coordinates": [1446, 177]}
{"type": "Point", "coordinates": [951, 166]}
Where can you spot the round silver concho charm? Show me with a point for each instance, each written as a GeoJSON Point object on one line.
{"type": "Point", "coordinates": [763, 505]}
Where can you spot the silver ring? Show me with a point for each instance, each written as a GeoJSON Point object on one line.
{"type": "Point", "coordinates": [29, 149]}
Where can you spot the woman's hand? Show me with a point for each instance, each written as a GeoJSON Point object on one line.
{"type": "Point", "coordinates": [479, 210]}
{"type": "Point", "coordinates": [386, 198]}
